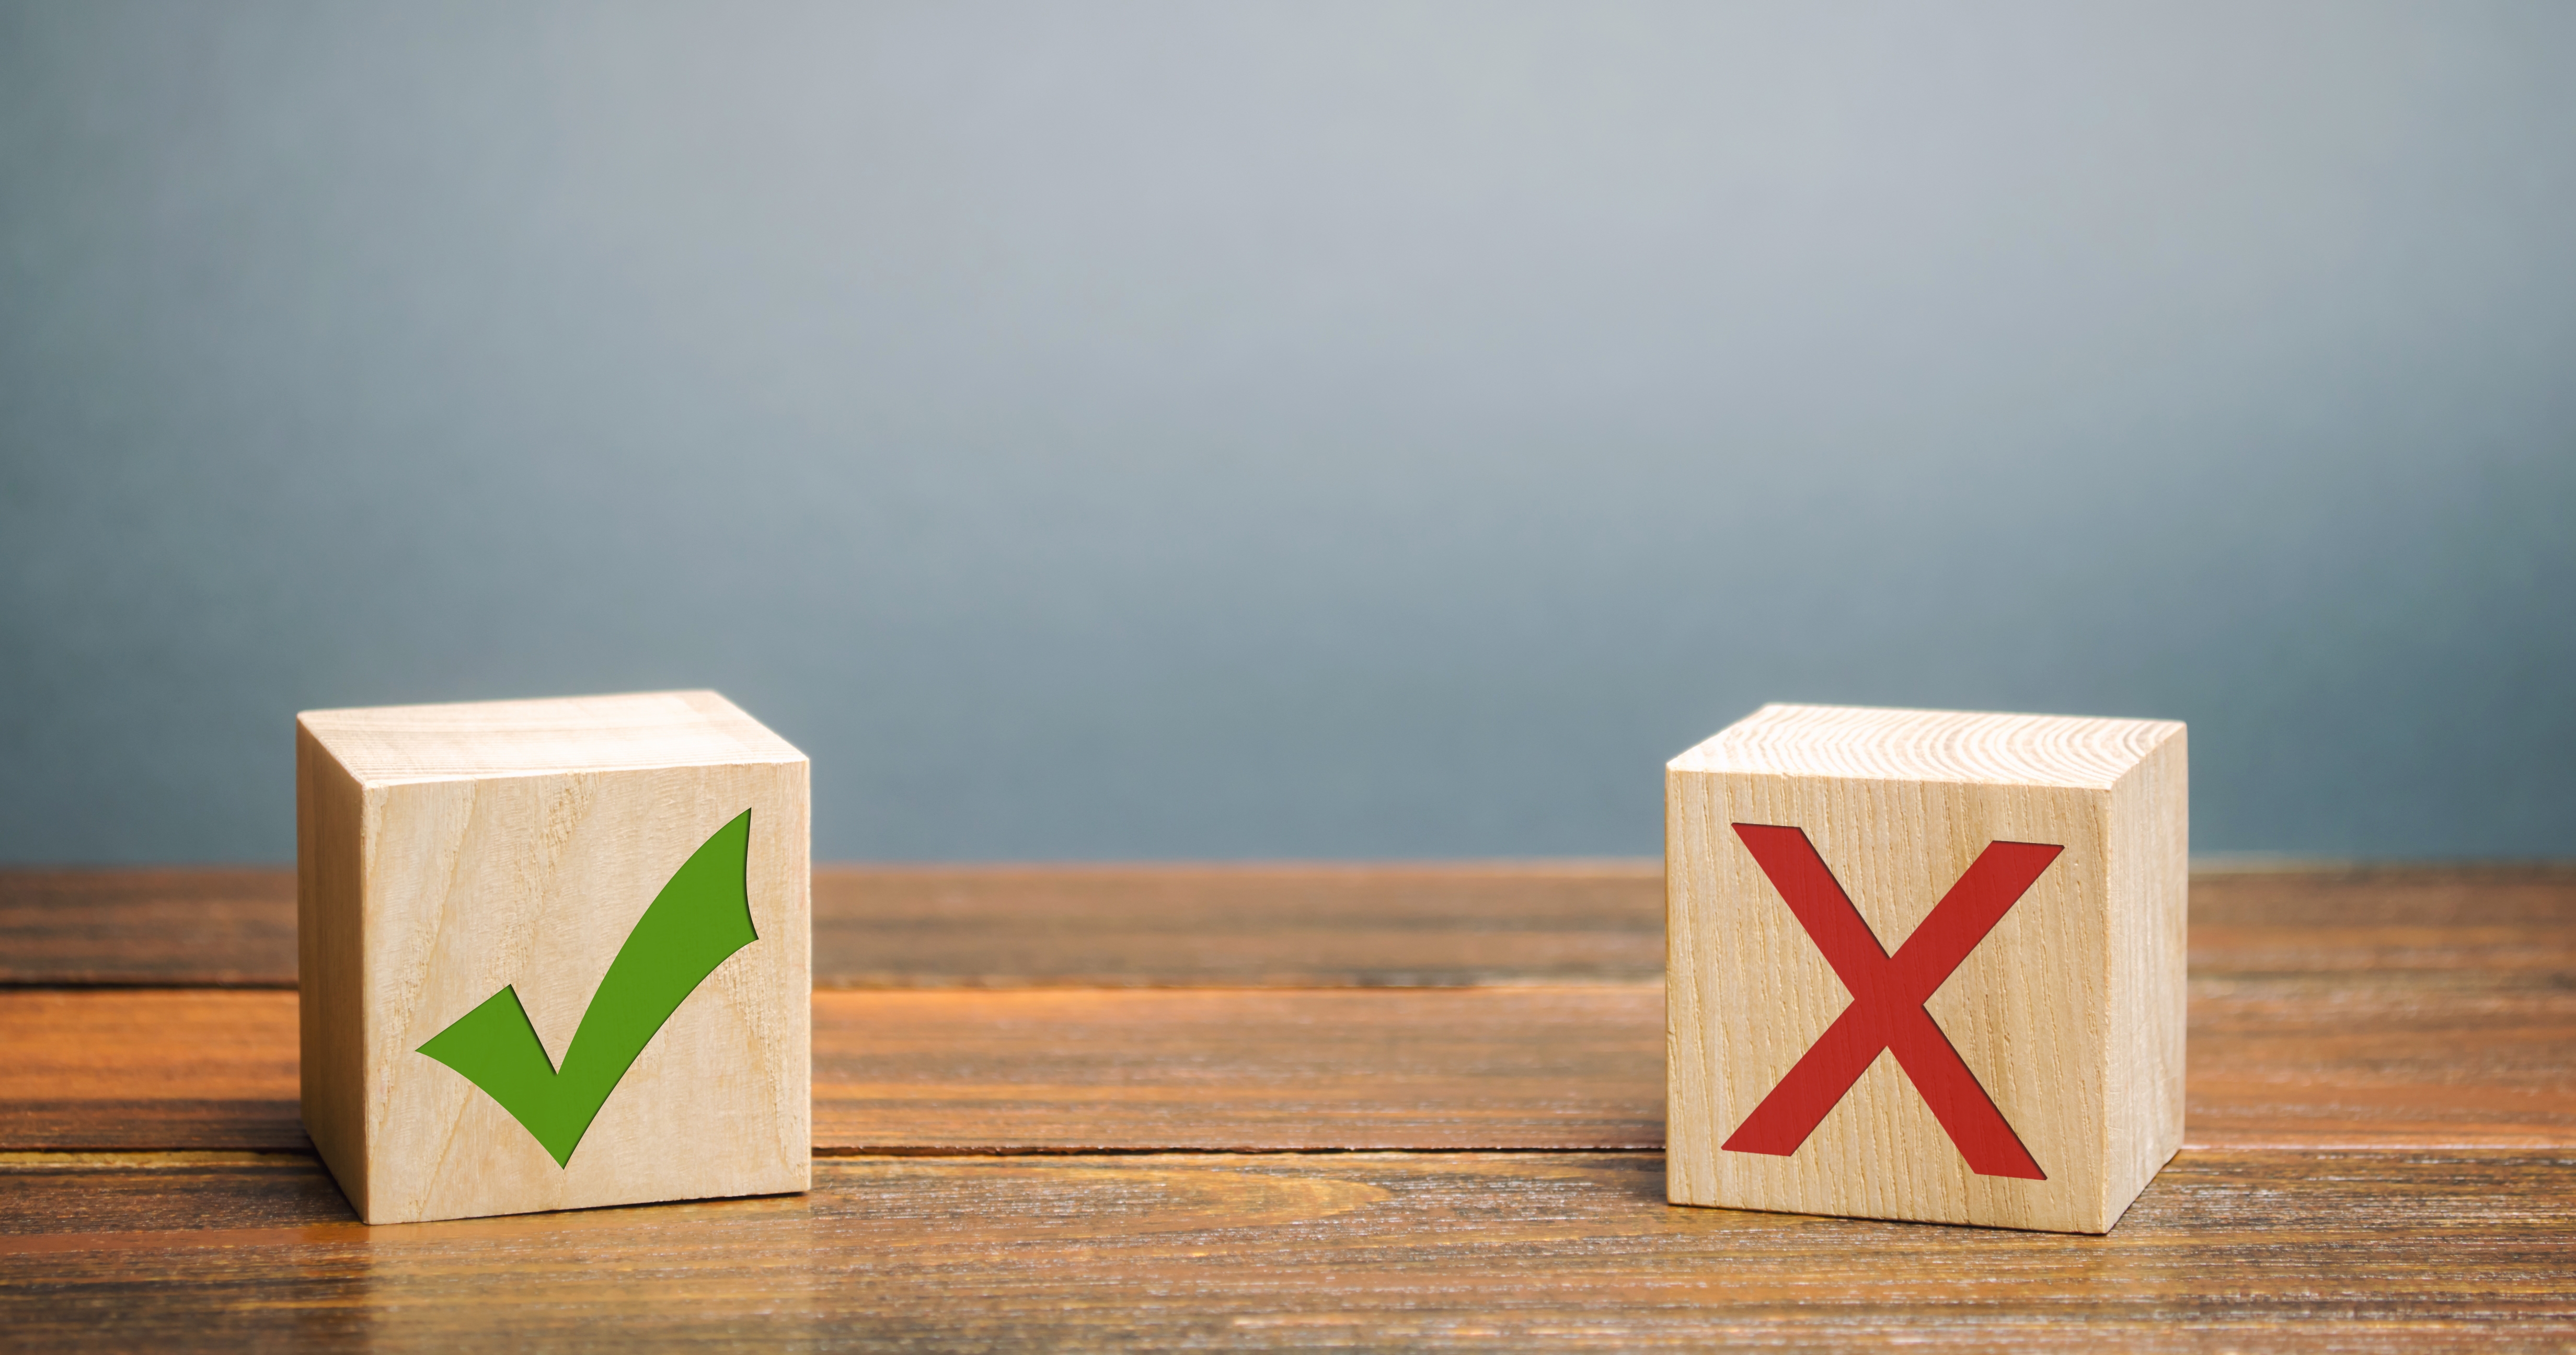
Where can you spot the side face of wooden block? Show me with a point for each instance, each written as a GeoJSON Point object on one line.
{"type": "Point", "coordinates": [2045, 1090]}
{"type": "Point", "coordinates": [509, 853]}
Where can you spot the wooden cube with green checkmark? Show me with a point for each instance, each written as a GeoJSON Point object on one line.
{"type": "Point", "coordinates": [552, 954]}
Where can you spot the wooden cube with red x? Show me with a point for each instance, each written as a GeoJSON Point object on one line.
{"type": "Point", "coordinates": [1925, 965]}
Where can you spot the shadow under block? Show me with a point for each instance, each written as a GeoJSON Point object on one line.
{"type": "Point", "coordinates": [618, 877]}
{"type": "Point", "coordinates": [1925, 965]}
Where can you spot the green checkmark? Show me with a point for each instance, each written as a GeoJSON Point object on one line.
{"type": "Point", "coordinates": [698, 920]}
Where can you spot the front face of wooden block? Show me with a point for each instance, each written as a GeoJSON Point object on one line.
{"type": "Point", "coordinates": [535, 883]}
{"type": "Point", "coordinates": [1752, 994]}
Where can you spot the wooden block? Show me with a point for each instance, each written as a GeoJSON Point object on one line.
{"type": "Point", "coordinates": [552, 954]}
{"type": "Point", "coordinates": [1925, 965]}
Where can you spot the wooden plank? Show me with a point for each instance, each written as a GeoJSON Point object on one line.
{"type": "Point", "coordinates": [2461, 895]}
{"type": "Point", "coordinates": [2293, 1060]}
{"type": "Point", "coordinates": [1028, 1070]}
{"type": "Point", "coordinates": [145, 1068]}
{"type": "Point", "coordinates": [949, 926]}
{"type": "Point", "coordinates": [2238, 1249]}
{"type": "Point", "coordinates": [1294, 926]}
{"type": "Point", "coordinates": [197, 925]}
{"type": "Point", "coordinates": [2404, 1006]}
{"type": "Point", "coordinates": [1275, 926]}
{"type": "Point", "coordinates": [1059, 1070]}
{"type": "Point", "coordinates": [2375, 925]}
{"type": "Point", "coordinates": [2352, 1059]}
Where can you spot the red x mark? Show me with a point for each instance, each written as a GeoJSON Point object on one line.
{"type": "Point", "coordinates": [1888, 993]}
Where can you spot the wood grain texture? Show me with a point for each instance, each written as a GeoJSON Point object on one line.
{"type": "Point", "coordinates": [1041, 1070]}
{"type": "Point", "coordinates": [333, 847]}
{"type": "Point", "coordinates": [2345, 1059]}
{"type": "Point", "coordinates": [1952, 747]}
{"type": "Point", "coordinates": [449, 853]}
{"type": "Point", "coordinates": [2227, 1250]}
{"type": "Point", "coordinates": [1053, 1070]}
{"type": "Point", "coordinates": [2399, 1005]}
{"type": "Point", "coordinates": [202, 926]}
{"type": "Point", "coordinates": [477, 740]}
{"type": "Point", "coordinates": [1292, 926]}
{"type": "Point", "coordinates": [2389, 1009]}
{"type": "Point", "coordinates": [120, 1069]}
{"type": "Point", "coordinates": [1296, 926]}
{"type": "Point", "coordinates": [2415, 1058]}
{"type": "Point", "coordinates": [2384, 920]}
{"type": "Point", "coordinates": [2069, 1014]}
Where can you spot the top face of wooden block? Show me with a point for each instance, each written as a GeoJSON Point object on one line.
{"type": "Point", "coordinates": [1873, 744]}
{"type": "Point", "coordinates": [388, 745]}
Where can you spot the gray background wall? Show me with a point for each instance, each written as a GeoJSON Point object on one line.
{"type": "Point", "coordinates": [1107, 430]}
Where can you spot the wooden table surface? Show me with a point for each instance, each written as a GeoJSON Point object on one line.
{"type": "Point", "coordinates": [1302, 1106]}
